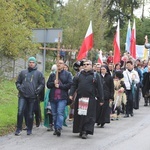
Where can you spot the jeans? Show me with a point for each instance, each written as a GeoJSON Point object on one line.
{"type": "Point", "coordinates": [22, 104]}
{"type": "Point", "coordinates": [58, 108]}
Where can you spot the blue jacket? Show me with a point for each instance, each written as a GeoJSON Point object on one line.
{"type": "Point", "coordinates": [65, 79]}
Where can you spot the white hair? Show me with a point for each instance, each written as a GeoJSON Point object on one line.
{"type": "Point", "coordinates": [54, 67]}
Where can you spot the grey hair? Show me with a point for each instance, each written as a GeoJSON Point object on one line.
{"type": "Point", "coordinates": [89, 61]}
{"type": "Point", "coordinates": [54, 67]}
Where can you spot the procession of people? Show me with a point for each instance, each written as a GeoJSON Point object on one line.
{"type": "Point", "coordinates": [96, 94]}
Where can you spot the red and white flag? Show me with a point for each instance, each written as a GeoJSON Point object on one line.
{"type": "Point", "coordinates": [87, 43]}
{"type": "Point", "coordinates": [100, 60]}
{"type": "Point", "coordinates": [133, 41]}
{"type": "Point", "coordinates": [116, 45]}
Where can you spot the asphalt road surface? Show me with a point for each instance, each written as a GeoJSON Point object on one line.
{"type": "Point", "coordinates": [131, 133]}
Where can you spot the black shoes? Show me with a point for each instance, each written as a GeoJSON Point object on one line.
{"type": "Point", "coordinates": [126, 116]}
{"type": "Point", "coordinates": [29, 132]}
{"type": "Point", "coordinates": [80, 134]}
{"type": "Point", "coordinates": [102, 125]}
{"type": "Point", "coordinates": [84, 135]}
{"type": "Point", "coordinates": [131, 115]}
{"type": "Point", "coordinates": [18, 132]}
{"type": "Point", "coordinates": [57, 132]}
{"type": "Point", "coordinates": [145, 104]}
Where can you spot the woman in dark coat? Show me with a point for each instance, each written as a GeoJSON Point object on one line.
{"type": "Point", "coordinates": [103, 112]}
{"type": "Point", "coordinates": [146, 85]}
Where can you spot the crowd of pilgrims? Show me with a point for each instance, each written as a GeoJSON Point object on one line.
{"type": "Point", "coordinates": [122, 86]}
{"type": "Point", "coordinates": [96, 94]}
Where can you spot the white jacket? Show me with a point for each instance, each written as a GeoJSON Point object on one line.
{"type": "Point", "coordinates": [128, 78]}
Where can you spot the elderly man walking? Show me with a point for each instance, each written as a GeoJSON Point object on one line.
{"type": "Point", "coordinates": [88, 86]}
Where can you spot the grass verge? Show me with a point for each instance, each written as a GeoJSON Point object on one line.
{"type": "Point", "coordinates": [9, 106]}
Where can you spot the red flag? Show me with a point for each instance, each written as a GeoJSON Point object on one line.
{"type": "Point", "coordinates": [133, 42]}
{"type": "Point", "coordinates": [116, 44]}
{"type": "Point", "coordinates": [87, 43]}
{"type": "Point", "coordinates": [100, 57]}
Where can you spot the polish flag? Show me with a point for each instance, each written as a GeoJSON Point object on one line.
{"type": "Point", "coordinates": [87, 43]}
{"type": "Point", "coordinates": [100, 60]}
{"type": "Point", "coordinates": [133, 42]}
{"type": "Point", "coordinates": [116, 45]}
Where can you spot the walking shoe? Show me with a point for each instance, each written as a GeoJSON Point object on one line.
{"type": "Point", "coordinates": [55, 132]}
{"type": "Point", "coordinates": [80, 134]}
{"type": "Point", "coordinates": [18, 132]}
{"type": "Point", "coordinates": [102, 125]}
{"type": "Point", "coordinates": [131, 114]}
{"type": "Point", "coordinates": [126, 116]}
{"type": "Point", "coordinates": [37, 123]}
{"type": "Point", "coordinates": [84, 135]}
{"type": "Point", "coordinates": [29, 132]}
{"type": "Point", "coordinates": [58, 132]}
{"type": "Point", "coordinates": [98, 124]}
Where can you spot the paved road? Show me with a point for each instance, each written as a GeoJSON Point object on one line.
{"type": "Point", "coordinates": [131, 133]}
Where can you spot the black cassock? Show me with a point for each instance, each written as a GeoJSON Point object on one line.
{"type": "Point", "coordinates": [103, 112]}
{"type": "Point", "coordinates": [86, 86]}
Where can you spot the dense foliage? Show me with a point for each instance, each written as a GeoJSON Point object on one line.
{"type": "Point", "coordinates": [19, 17]}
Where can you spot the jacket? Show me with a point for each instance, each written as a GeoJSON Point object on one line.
{"type": "Point", "coordinates": [65, 80]}
{"type": "Point", "coordinates": [30, 83]}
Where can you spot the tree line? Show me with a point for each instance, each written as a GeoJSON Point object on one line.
{"type": "Point", "coordinates": [19, 17]}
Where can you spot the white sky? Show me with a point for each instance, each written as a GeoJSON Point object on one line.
{"type": "Point", "coordinates": [137, 12]}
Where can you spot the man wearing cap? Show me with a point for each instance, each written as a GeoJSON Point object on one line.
{"type": "Point", "coordinates": [30, 83]}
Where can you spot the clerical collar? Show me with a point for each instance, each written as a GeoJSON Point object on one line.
{"type": "Point", "coordinates": [103, 74]}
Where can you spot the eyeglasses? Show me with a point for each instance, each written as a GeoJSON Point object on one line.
{"type": "Point", "coordinates": [86, 64]}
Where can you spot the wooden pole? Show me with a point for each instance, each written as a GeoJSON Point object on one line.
{"type": "Point", "coordinates": [58, 56]}
{"type": "Point", "coordinates": [55, 49]}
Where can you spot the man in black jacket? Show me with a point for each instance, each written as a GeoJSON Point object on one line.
{"type": "Point", "coordinates": [88, 86]}
{"type": "Point", "coordinates": [59, 95]}
{"type": "Point", "coordinates": [30, 83]}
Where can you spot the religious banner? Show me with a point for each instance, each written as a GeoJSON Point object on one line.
{"type": "Point", "coordinates": [83, 106]}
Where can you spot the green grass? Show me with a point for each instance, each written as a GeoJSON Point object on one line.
{"type": "Point", "coordinates": [8, 106]}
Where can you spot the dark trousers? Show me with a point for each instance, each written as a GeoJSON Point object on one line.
{"type": "Point", "coordinates": [37, 112]}
{"type": "Point", "coordinates": [22, 104]}
{"type": "Point", "coordinates": [129, 106]}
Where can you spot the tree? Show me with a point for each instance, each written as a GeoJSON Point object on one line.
{"type": "Point", "coordinates": [18, 17]}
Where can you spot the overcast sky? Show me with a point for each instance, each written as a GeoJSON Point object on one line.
{"type": "Point", "coordinates": [137, 12]}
